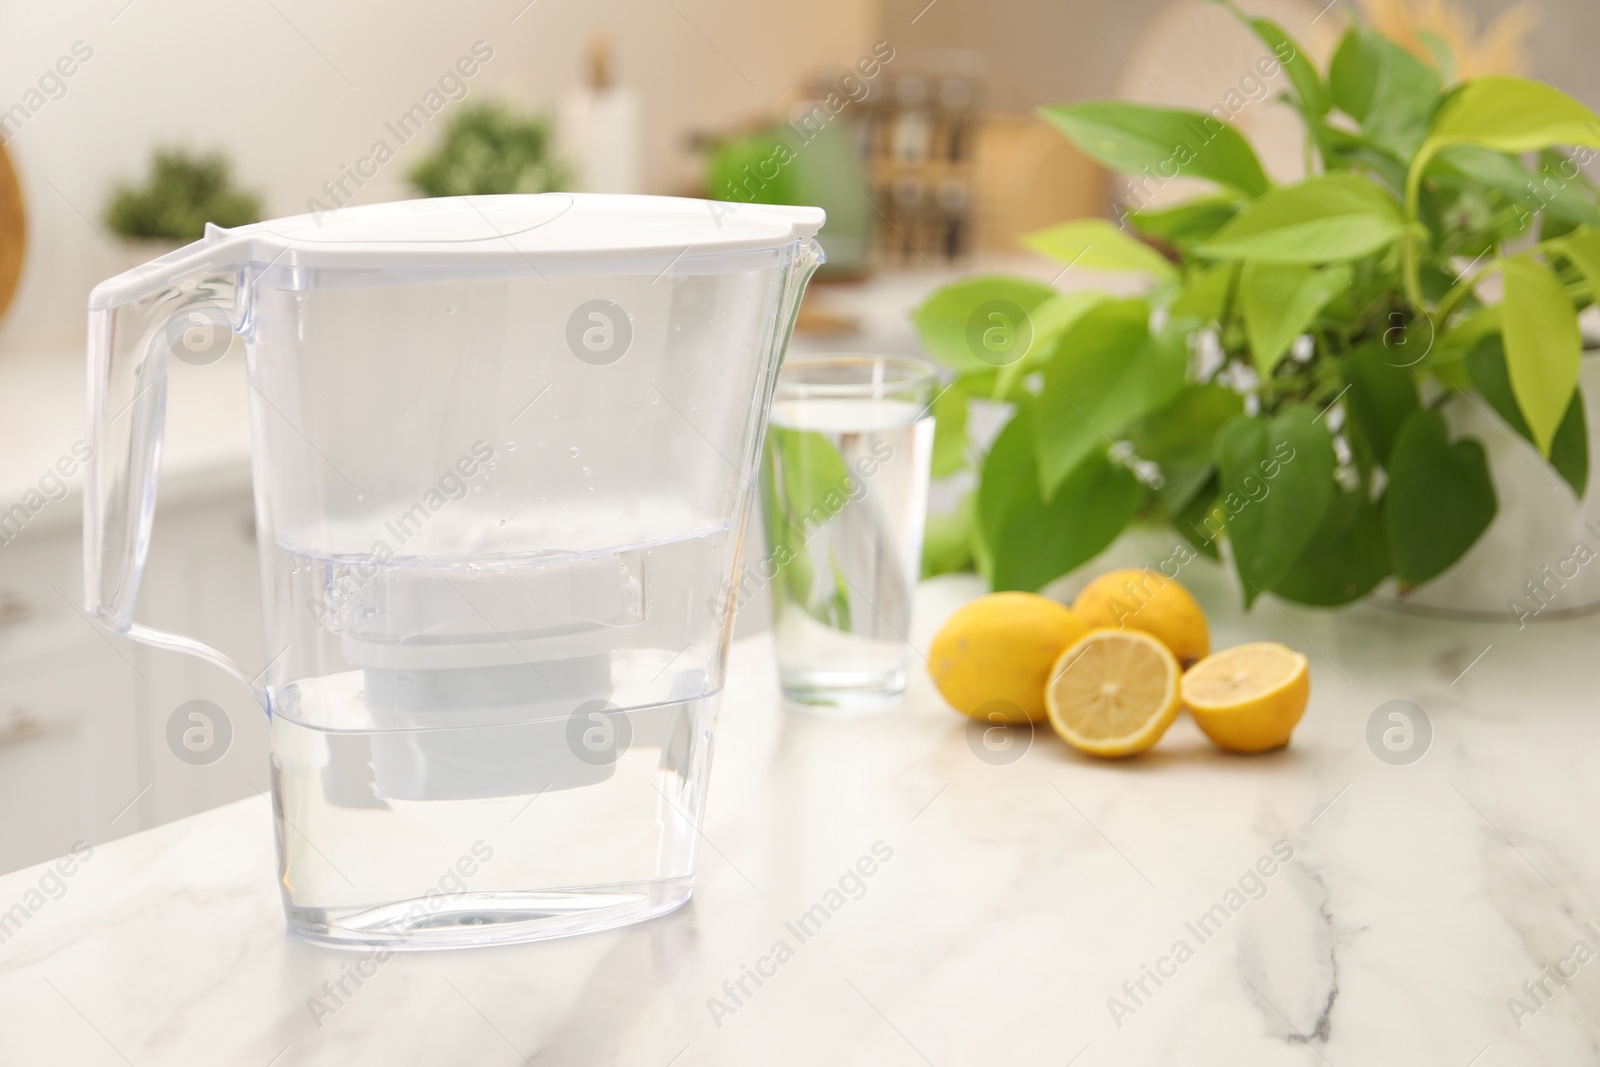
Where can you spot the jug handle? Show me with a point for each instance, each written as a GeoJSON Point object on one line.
{"type": "Point", "coordinates": [131, 320]}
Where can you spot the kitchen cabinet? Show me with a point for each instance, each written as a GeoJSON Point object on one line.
{"type": "Point", "coordinates": [83, 714]}
{"type": "Point", "coordinates": [84, 753]}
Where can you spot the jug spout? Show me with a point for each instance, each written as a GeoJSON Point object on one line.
{"type": "Point", "coordinates": [807, 258]}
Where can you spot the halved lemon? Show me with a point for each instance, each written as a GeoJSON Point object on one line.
{"type": "Point", "coordinates": [1249, 698]}
{"type": "Point", "coordinates": [1113, 693]}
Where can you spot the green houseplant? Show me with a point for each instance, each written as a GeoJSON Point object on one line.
{"type": "Point", "coordinates": [1278, 386]}
{"type": "Point", "coordinates": [182, 193]}
{"type": "Point", "coordinates": [491, 149]}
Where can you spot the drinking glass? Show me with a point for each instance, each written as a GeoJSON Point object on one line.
{"type": "Point", "coordinates": [845, 489]}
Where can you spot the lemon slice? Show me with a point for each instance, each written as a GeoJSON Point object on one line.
{"type": "Point", "coordinates": [1113, 693]}
{"type": "Point", "coordinates": [1249, 698]}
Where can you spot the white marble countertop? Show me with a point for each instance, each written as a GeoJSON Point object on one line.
{"type": "Point", "coordinates": [1415, 901]}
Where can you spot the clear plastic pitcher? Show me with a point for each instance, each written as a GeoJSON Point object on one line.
{"type": "Point", "coordinates": [503, 450]}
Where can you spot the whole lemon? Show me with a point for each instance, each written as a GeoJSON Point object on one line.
{"type": "Point", "coordinates": [1142, 599]}
{"type": "Point", "coordinates": [991, 658]}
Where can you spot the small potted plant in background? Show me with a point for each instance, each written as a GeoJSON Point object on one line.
{"type": "Point", "coordinates": [1291, 390]}
{"type": "Point", "coordinates": [491, 149]}
{"type": "Point", "coordinates": [181, 193]}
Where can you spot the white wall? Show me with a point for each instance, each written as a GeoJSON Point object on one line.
{"type": "Point", "coordinates": [293, 89]}
{"type": "Point", "coordinates": [1049, 51]}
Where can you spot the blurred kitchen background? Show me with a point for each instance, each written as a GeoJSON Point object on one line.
{"type": "Point", "coordinates": [910, 121]}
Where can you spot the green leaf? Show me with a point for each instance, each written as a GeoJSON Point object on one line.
{"type": "Point", "coordinates": [1342, 150]}
{"type": "Point", "coordinates": [811, 471]}
{"type": "Point", "coordinates": [947, 539]}
{"type": "Point", "coordinates": [1030, 542]}
{"type": "Point", "coordinates": [1388, 90]}
{"type": "Point", "coordinates": [1464, 332]}
{"type": "Point", "coordinates": [1055, 316]}
{"type": "Point", "coordinates": [1566, 204]}
{"type": "Point", "coordinates": [1312, 94]}
{"type": "Point", "coordinates": [1542, 342]}
{"type": "Point", "coordinates": [1098, 244]}
{"type": "Point", "coordinates": [1346, 558]}
{"type": "Point", "coordinates": [1507, 114]}
{"type": "Point", "coordinates": [1190, 522]}
{"type": "Point", "coordinates": [1471, 171]}
{"type": "Point", "coordinates": [1569, 449]}
{"type": "Point", "coordinates": [980, 323]}
{"type": "Point", "coordinates": [1583, 248]}
{"type": "Point", "coordinates": [1439, 500]}
{"type": "Point", "coordinates": [1172, 143]}
{"type": "Point", "coordinates": [785, 546]}
{"type": "Point", "coordinates": [834, 610]}
{"type": "Point", "coordinates": [982, 557]}
{"type": "Point", "coordinates": [1435, 282]}
{"type": "Point", "coordinates": [1464, 166]}
{"type": "Point", "coordinates": [1276, 484]}
{"type": "Point", "coordinates": [1353, 73]}
{"type": "Point", "coordinates": [1308, 84]}
{"type": "Point", "coordinates": [1329, 218]}
{"type": "Point", "coordinates": [1206, 293]}
{"type": "Point", "coordinates": [1444, 59]}
{"type": "Point", "coordinates": [1280, 303]}
{"type": "Point", "coordinates": [1180, 439]}
{"type": "Point", "coordinates": [1381, 397]}
{"type": "Point", "coordinates": [1185, 224]}
{"type": "Point", "coordinates": [1468, 168]}
{"type": "Point", "coordinates": [949, 431]}
{"type": "Point", "coordinates": [1557, 164]}
{"type": "Point", "coordinates": [1108, 370]}
{"type": "Point", "coordinates": [806, 485]}
{"type": "Point", "coordinates": [1513, 115]}
{"type": "Point", "coordinates": [1550, 189]}
{"type": "Point", "coordinates": [1049, 321]}
{"type": "Point", "coordinates": [1553, 226]}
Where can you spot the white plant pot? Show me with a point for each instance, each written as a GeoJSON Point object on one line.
{"type": "Point", "coordinates": [1540, 557]}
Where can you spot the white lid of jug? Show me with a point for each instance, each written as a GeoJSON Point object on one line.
{"type": "Point", "coordinates": [583, 231]}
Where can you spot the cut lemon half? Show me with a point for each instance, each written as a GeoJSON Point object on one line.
{"type": "Point", "coordinates": [1249, 698]}
{"type": "Point", "coordinates": [1113, 693]}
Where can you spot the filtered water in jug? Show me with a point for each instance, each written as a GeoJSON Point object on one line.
{"type": "Point", "coordinates": [502, 455]}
